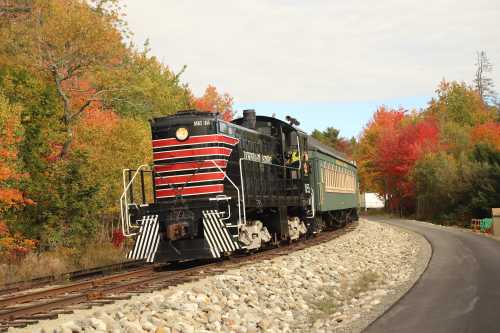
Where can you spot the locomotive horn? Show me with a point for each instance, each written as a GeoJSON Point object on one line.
{"type": "Point", "coordinates": [292, 121]}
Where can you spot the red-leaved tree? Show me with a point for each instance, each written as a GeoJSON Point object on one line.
{"type": "Point", "coordinates": [212, 101]}
{"type": "Point", "coordinates": [390, 146]}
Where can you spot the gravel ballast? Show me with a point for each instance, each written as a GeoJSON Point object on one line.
{"type": "Point", "coordinates": [339, 286]}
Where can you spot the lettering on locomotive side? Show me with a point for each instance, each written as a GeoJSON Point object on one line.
{"type": "Point", "coordinates": [256, 157]}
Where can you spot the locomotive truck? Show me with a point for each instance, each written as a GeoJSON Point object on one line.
{"type": "Point", "coordinates": [223, 187]}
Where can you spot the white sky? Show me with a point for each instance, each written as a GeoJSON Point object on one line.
{"type": "Point", "coordinates": [318, 50]}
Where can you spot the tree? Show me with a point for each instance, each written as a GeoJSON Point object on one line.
{"type": "Point", "coordinates": [69, 216]}
{"type": "Point", "coordinates": [153, 89]}
{"type": "Point", "coordinates": [384, 122]}
{"type": "Point", "coordinates": [330, 137]}
{"type": "Point", "coordinates": [487, 133]}
{"type": "Point", "coordinates": [14, 9]}
{"type": "Point", "coordinates": [388, 150]}
{"type": "Point", "coordinates": [12, 245]}
{"type": "Point", "coordinates": [212, 101]}
{"type": "Point", "coordinates": [73, 44]}
{"type": "Point", "coordinates": [485, 181]}
{"type": "Point", "coordinates": [459, 103]}
{"type": "Point", "coordinates": [117, 143]}
{"type": "Point", "coordinates": [482, 82]}
{"type": "Point", "coordinates": [10, 132]}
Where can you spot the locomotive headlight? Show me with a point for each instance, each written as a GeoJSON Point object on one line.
{"type": "Point", "coordinates": [182, 133]}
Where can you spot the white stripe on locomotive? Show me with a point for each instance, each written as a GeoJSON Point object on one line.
{"type": "Point", "coordinates": [214, 232]}
{"type": "Point", "coordinates": [145, 236]}
{"type": "Point", "coordinates": [216, 225]}
{"type": "Point", "coordinates": [147, 241]}
{"type": "Point", "coordinates": [155, 244]}
{"type": "Point", "coordinates": [217, 234]}
{"type": "Point", "coordinates": [210, 238]}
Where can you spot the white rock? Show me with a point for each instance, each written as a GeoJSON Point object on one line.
{"type": "Point", "coordinates": [98, 324]}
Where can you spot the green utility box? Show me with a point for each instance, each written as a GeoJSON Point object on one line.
{"type": "Point", "coordinates": [495, 214]}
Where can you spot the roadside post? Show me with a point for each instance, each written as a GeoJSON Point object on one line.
{"type": "Point", "coordinates": [495, 215]}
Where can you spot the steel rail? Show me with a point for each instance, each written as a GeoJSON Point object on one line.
{"type": "Point", "coordinates": [14, 287]}
{"type": "Point", "coordinates": [72, 287]}
{"type": "Point", "coordinates": [33, 309]}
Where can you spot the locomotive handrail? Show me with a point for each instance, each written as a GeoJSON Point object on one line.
{"type": "Point", "coordinates": [300, 155]}
{"type": "Point", "coordinates": [242, 190]}
{"type": "Point", "coordinates": [124, 214]}
{"type": "Point", "coordinates": [223, 198]}
{"type": "Point", "coordinates": [312, 204]}
{"type": "Point", "coordinates": [237, 191]}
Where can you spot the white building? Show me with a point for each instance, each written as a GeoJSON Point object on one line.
{"type": "Point", "coordinates": [371, 200]}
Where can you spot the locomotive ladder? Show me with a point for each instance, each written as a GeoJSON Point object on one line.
{"type": "Point", "coordinates": [217, 233]}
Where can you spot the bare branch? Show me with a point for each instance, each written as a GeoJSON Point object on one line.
{"type": "Point", "coordinates": [483, 83]}
{"type": "Point", "coordinates": [177, 76]}
{"type": "Point", "coordinates": [81, 109]}
{"type": "Point", "coordinates": [95, 97]}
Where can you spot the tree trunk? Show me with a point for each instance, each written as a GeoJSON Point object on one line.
{"type": "Point", "coordinates": [67, 142]}
{"type": "Point", "coordinates": [67, 113]}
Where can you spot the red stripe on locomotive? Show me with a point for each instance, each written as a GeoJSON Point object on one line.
{"type": "Point", "coordinates": [181, 179]}
{"type": "Point", "coordinates": [193, 190]}
{"type": "Point", "coordinates": [200, 139]}
{"type": "Point", "coordinates": [195, 152]}
{"type": "Point", "coordinates": [190, 166]}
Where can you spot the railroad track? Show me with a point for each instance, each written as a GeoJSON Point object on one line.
{"type": "Point", "coordinates": [29, 306]}
{"type": "Point", "coordinates": [14, 287]}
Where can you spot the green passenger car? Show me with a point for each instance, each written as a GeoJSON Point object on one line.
{"type": "Point", "coordinates": [335, 184]}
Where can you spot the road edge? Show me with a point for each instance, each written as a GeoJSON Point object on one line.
{"type": "Point", "coordinates": [426, 253]}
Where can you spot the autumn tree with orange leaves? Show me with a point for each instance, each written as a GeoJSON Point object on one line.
{"type": "Point", "coordinates": [488, 133]}
{"type": "Point", "coordinates": [12, 245]}
{"type": "Point", "coordinates": [213, 101]}
{"type": "Point", "coordinates": [11, 133]}
{"type": "Point", "coordinates": [74, 46]}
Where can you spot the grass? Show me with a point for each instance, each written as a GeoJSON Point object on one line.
{"type": "Point", "coordinates": [328, 305]}
{"type": "Point", "coordinates": [60, 261]}
{"type": "Point", "coordinates": [96, 255]}
{"type": "Point", "coordinates": [376, 212]}
{"type": "Point", "coordinates": [363, 283]}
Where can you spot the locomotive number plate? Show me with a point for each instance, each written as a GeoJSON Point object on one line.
{"type": "Point", "coordinates": [201, 122]}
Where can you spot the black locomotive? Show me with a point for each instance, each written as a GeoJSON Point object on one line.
{"type": "Point", "coordinates": [222, 187]}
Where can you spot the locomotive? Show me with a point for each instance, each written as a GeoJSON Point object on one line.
{"type": "Point", "coordinates": [222, 187]}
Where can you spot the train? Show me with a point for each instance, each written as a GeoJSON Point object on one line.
{"type": "Point", "coordinates": [217, 188]}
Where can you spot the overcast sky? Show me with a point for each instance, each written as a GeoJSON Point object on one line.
{"type": "Point", "coordinates": [330, 63]}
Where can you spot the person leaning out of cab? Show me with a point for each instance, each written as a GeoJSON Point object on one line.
{"type": "Point", "coordinates": [293, 159]}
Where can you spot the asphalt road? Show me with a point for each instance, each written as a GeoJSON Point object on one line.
{"type": "Point", "coordinates": [459, 291]}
